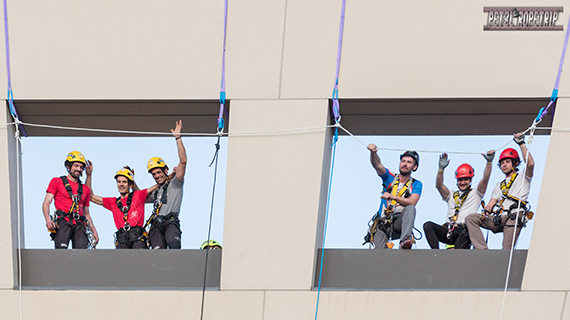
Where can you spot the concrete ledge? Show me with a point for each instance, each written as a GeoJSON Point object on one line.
{"type": "Point", "coordinates": [357, 269]}
{"type": "Point", "coordinates": [119, 269]}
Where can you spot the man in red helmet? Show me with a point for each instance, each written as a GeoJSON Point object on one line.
{"type": "Point", "coordinates": [71, 198]}
{"type": "Point", "coordinates": [399, 199]}
{"type": "Point", "coordinates": [460, 203]}
{"type": "Point", "coordinates": [510, 195]}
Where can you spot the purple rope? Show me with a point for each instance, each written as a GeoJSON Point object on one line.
{"type": "Point", "coordinates": [7, 44]}
{"type": "Point", "coordinates": [11, 106]}
{"type": "Point", "coordinates": [336, 105]}
{"type": "Point", "coordinates": [223, 86]}
{"type": "Point", "coordinates": [554, 95]}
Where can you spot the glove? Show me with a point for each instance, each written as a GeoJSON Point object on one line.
{"type": "Point", "coordinates": [489, 157]}
{"type": "Point", "coordinates": [519, 140]}
{"type": "Point", "coordinates": [443, 161]}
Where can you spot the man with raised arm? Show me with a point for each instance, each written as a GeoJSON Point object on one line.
{"type": "Point", "coordinates": [128, 209]}
{"type": "Point", "coordinates": [165, 226]}
{"type": "Point", "coordinates": [71, 219]}
{"type": "Point", "coordinates": [399, 199]}
{"type": "Point", "coordinates": [460, 203]}
{"type": "Point", "coordinates": [509, 195]}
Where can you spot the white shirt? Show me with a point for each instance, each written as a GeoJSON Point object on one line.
{"type": "Point", "coordinates": [519, 189]}
{"type": "Point", "coordinates": [470, 205]}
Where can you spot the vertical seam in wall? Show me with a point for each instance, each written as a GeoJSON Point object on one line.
{"type": "Point", "coordinates": [263, 306]}
{"type": "Point", "coordinates": [563, 305]}
{"type": "Point", "coordinates": [282, 51]}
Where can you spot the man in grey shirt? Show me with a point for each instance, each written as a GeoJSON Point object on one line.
{"type": "Point", "coordinates": [165, 225]}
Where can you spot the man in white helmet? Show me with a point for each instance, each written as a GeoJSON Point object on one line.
{"type": "Point", "coordinates": [71, 218]}
{"type": "Point", "coordinates": [165, 230]}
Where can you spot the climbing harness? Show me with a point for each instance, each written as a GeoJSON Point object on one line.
{"type": "Point", "coordinates": [381, 223]}
{"type": "Point", "coordinates": [384, 221]}
{"type": "Point", "coordinates": [147, 229]}
{"type": "Point", "coordinates": [129, 236]}
{"type": "Point", "coordinates": [155, 219]}
{"type": "Point", "coordinates": [513, 211]}
{"type": "Point", "coordinates": [78, 221]}
{"type": "Point", "coordinates": [73, 212]}
{"type": "Point", "coordinates": [125, 210]}
{"type": "Point", "coordinates": [459, 199]}
{"type": "Point", "coordinates": [401, 191]}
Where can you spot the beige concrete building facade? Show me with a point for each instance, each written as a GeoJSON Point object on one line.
{"type": "Point", "coordinates": [281, 55]}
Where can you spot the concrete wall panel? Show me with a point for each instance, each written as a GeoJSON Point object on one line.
{"type": "Point", "coordinates": [273, 194]}
{"type": "Point", "coordinates": [310, 52]}
{"type": "Point", "coordinates": [413, 305]}
{"type": "Point", "coordinates": [546, 263]}
{"type": "Point", "coordinates": [140, 50]}
{"type": "Point", "coordinates": [116, 50]}
{"type": "Point", "coordinates": [439, 48]}
{"type": "Point", "coordinates": [254, 48]}
{"type": "Point", "coordinates": [132, 305]}
{"type": "Point", "coordinates": [8, 211]}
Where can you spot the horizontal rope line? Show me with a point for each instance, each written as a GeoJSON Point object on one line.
{"type": "Point", "coordinates": [245, 133]}
{"type": "Point", "coordinates": [261, 132]}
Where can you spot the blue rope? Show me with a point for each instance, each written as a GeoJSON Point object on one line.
{"type": "Point", "coordinates": [210, 223]}
{"type": "Point", "coordinates": [333, 146]}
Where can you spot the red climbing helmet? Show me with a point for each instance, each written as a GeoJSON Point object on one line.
{"type": "Point", "coordinates": [464, 171]}
{"type": "Point", "coordinates": [509, 153]}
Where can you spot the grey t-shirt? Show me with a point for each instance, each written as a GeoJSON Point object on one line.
{"type": "Point", "coordinates": [173, 197]}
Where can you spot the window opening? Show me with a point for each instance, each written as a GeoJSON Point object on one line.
{"type": "Point", "coordinates": [43, 159]}
{"type": "Point", "coordinates": [357, 188]}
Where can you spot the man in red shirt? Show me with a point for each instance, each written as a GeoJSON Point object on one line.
{"type": "Point", "coordinates": [71, 219]}
{"type": "Point", "coordinates": [128, 209]}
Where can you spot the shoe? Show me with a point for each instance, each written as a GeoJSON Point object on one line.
{"type": "Point", "coordinates": [406, 243]}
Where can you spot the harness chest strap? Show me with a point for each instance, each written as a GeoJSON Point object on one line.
{"type": "Point", "coordinates": [157, 204]}
{"type": "Point", "coordinates": [506, 187]}
{"type": "Point", "coordinates": [394, 188]}
{"type": "Point", "coordinates": [163, 196]}
{"type": "Point", "coordinates": [125, 209]}
{"type": "Point", "coordinates": [459, 200]}
{"type": "Point", "coordinates": [73, 211]}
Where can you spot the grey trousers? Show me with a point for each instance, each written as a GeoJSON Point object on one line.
{"type": "Point", "coordinates": [474, 221]}
{"type": "Point", "coordinates": [403, 226]}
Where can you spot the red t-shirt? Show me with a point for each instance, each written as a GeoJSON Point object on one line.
{"type": "Point", "coordinates": [62, 200]}
{"type": "Point", "coordinates": [135, 216]}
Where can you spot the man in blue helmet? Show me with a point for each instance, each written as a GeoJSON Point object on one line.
{"type": "Point", "coordinates": [397, 213]}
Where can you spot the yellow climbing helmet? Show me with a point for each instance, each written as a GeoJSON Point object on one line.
{"type": "Point", "coordinates": [125, 173]}
{"type": "Point", "coordinates": [209, 244]}
{"type": "Point", "coordinates": [75, 156]}
{"type": "Point", "coordinates": [155, 162]}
